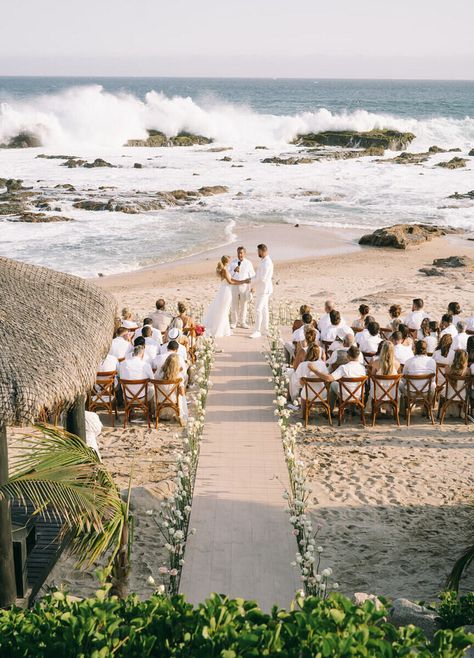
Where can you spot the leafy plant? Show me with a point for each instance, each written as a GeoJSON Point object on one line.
{"type": "Point", "coordinates": [106, 626]}
{"type": "Point", "coordinates": [61, 476]}
{"type": "Point", "coordinates": [456, 611]}
{"type": "Point", "coordinates": [460, 566]}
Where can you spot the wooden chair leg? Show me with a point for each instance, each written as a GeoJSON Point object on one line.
{"type": "Point", "coordinates": [408, 412]}
{"type": "Point", "coordinates": [362, 414]}
{"type": "Point", "coordinates": [442, 414]}
{"type": "Point", "coordinates": [306, 413]}
{"type": "Point", "coordinates": [396, 411]}
{"type": "Point", "coordinates": [328, 409]}
{"type": "Point", "coordinates": [374, 412]}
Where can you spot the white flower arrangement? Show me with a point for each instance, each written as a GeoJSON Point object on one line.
{"type": "Point", "coordinates": [176, 509]}
{"type": "Point", "coordinates": [308, 558]}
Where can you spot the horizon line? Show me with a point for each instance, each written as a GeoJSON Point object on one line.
{"type": "Point", "coordinates": [233, 77]}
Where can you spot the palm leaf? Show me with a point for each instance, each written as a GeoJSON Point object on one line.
{"type": "Point", "coordinates": [460, 566]}
{"type": "Point", "coordinates": [60, 476]}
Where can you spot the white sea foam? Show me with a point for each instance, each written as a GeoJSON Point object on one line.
{"type": "Point", "coordinates": [89, 116]}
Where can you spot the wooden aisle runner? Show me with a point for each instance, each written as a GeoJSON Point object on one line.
{"type": "Point", "coordinates": [243, 544]}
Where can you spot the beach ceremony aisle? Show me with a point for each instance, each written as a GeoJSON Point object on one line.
{"type": "Point", "coordinates": [243, 544]}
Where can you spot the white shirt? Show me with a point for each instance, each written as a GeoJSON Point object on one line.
{"type": "Point", "coordinates": [304, 370]}
{"type": "Point", "coordinates": [135, 368]}
{"type": "Point", "coordinates": [450, 329]}
{"type": "Point", "coordinates": [333, 358]}
{"type": "Point", "coordinates": [470, 323]}
{"type": "Point", "coordinates": [246, 270]}
{"type": "Point", "coordinates": [460, 341]}
{"type": "Point", "coordinates": [369, 343]}
{"type": "Point", "coordinates": [331, 332]}
{"type": "Point", "coordinates": [420, 365]}
{"type": "Point", "coordinates": [129, 324]}
{"type": "Point", "coordinates": [324, 322]}
{"type": "Point", "coordinates": [263, 277]}
{"type": "Point", "coordinates": [160, 320]}
{"type": "Point", "coordinates": [156, 334]}
{"type": "Point", "coordinates": [298, 335]}
{"type": "Point", "coordinates": [443, 360]}
{"type": "Point", "coordinates": [414, 319]}
{"type": "Point", "coordinates": [160, 360]}
{"type": "Point", "coordinates": [350, 369]}
{"type": "Point", "coordinates": [119, 347]}
{"type": "Point", "coordinates": [431, 342]}
{"type": "Point", "coordinates": [109, 364]}
{"type": "Point", "coordinates": [402, 353]}
{"type": "Point", "coordinates": [150, 353]}
{"type": "Point", "coordinates": [181, 351]}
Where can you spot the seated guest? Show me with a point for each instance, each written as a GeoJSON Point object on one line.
{"type": "Point", "coordinates": [359, 323]}
{"type": "Point", "coordinates": [443, 354]}
{"type": "Point", "coordinates": [335, 327]}
{"type": "Point", "coordinates": [401, 352]}
{"type": "Point", "coordinates": [338, 342]}
{"type": "Point", "coordinates": [360, 335]}
{"type": "Point", "coordinates": [447, 326]}
{"type": "Point", "coordinates": [420, 364]}
{"type": "Point", "coordinates": [353, 368]}
{"type": "Point", "coordinates": [160, 318]}
{"type": "Point", "coordinates": [470, 324]}
{"type": "Point", "coordinates": [384, 364]}
{"type": "Point", "coordinates": [369, 342]}
{"type": "Point", "coordinates": [470, 349]}
{"type": "Point", "coordinates": [414, 319]}
{"type": "Point", "coordinates": [109, 364]}
{"type": "Point", "coordinates": [160, 359]}
{"type": "Point", "coordinates": [394, 313]}
{"type": "Point", "coordinates": [308, 369]}
{"type": "Point", "coordinates": [454, 309]}
{"type": "Point", "coordinates": [127, 319]}
{"type": "Point", "coordinates": [298, 334]}
{"type": "Point", "coordinates": [175, 334]}
{"type": "Point", "coordinates": [406, 335]}
{"type": "Point", "coordinates": [136, 368]}
{"type": "Point", "coordinates": [299, 322]}
{"type": "Point", "coordinates": [432, 338]}
{"type": "Point", "coordinates": [150, 350]}
{"type": "Point", "coordinates": [120, 344]}
{"type": "Point", "coordinates": [156, 333]}
{"type": "Point", "coordinates": [298, 337]}
{"type": "Point", "coordinates": [182, 339]}
{"type": "Point", "coordinates": [187, 321]}
{"type": "Point", "coordinates": [93, 430]}
{"type": "Point", "coordinates": [172, 370]}
{"type": "Point", "coordinates": [460, 339]}
{"type": "Point", "coordinates": [147, 334]}
{"type": "Point", "coordinates": [324, 321]}
{"type": "Point", "coordinates": [424, 329]}
{"type": "Point", "coordinates": [339, 356]}
{"type": "Point", "coordinates": [311, 336]}
{"type": "Point", "coordinates": [458, 368]}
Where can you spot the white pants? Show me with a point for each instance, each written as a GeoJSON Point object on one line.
{"type": "Point", "coordinates": [262, 313]}
{"type": "Point", "coordinates": [240, 301]}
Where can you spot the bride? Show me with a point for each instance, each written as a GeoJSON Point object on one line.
{"type": "Point", "coordinates": [216, 318]}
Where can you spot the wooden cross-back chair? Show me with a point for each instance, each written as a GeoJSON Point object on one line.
{"type": "Point", "coordinates": [368, 356]}
{"type": "Point", "coordinates": [135, 398]}
{"type": "Point", "coordinates": [192, 336]}
{"type": "Point", "coordinates": [457, 392]}
{"type": "Point", "coordinates": [419, 395]}
{"type": "Point", "coordinates": [316, 396]}
{"type": "Point", "coordinates": [102, 395]}
{"type": "Point", "coordinates": [385, 392]}
{"type": "Point", "coordinates": [440, 380]}
{"type": "Point", "coordinates": [386, 332]}
{"type": "Point", "coordinates": [352, 393]}
{"type": "Point", "coordinates": [167, 393]}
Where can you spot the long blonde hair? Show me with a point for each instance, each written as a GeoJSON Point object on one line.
{"type": "Point", "coordinates": [459, 366]}
{"type": "Point", "coordinates": [222, 266]}
{"type": "Point", "coordinates": [387, 358]}
{"type": "Point", "coordinates": [172, 367]}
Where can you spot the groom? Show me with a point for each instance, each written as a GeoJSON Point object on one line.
{"type": "Point", "coordinates": [262, 283]}
{"type": "Point", "coordinates": [240, 269]}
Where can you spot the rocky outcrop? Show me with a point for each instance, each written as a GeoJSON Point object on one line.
{"type": "Point", "coordinates": [39, 218]}
{"type": "Point", "coordinates": [12, 184]}
{"type": "Point", "coordinates": [407, 158]}
{"type": "Point", "coordinates": [65, 186]}
{"type": "Point", "coordinates": [387, 139]}
{"type": "Point", "coordinates": [466, 195]}
{"type": "Point", "coordinates": [157, 138]}
{"type": "Point", "coordinates": [436, 149]}
{"type": "Point", "coordinates": [57, 157]}
{"type": "Point", "coordinates": [455, 163]}
{"type": "Point", "coordinates": [213, 189]}
{"type": "Point", "coordinates": [22, 141]}
{"type": "Point", "coordinates": [455, 261]}
{"type": "Point", "coordinates": [431, 271]}
{"type": "Point", "coordinates": [288, 161]}
{"type": "Point", "coordinates": [401, 236]}
{"type": "Point", "coordinates": [403, 613]}
{"type": "Point", "coordinates": [471, 153]}
{"type": "Point", "coordinates": [77, 162]}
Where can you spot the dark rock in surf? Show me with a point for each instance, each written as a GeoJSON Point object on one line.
{"type": "Point", "coordinates": [455, 261]}
{"type": "Point", "coordinates": [387, 139]}
{"type": "Point", "coordinates": [156, 138]}
{"type": "Point", "coordinates": [23, 140]}
{"type": "Point", "coordinates": [402, 236]}
{"type": "Point", "coordinates": [455, 163]}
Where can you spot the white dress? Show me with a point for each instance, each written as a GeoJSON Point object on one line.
{"type": "Point", "coordinates": [216, 318]}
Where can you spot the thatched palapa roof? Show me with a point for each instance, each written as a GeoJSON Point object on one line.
{"type": "Point", "coordinates": [54, 331]}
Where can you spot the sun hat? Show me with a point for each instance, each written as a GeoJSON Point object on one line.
{"type": "Point", "coordinates": [173, 333]}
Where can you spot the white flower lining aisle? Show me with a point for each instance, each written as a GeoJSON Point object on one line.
{"type": "Point", "coordinates": [308, 557]}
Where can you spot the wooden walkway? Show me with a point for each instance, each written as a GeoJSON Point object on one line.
{"type": "Point", "coordinates": [243, 544]}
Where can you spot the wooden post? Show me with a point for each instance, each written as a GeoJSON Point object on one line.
{"type": "Point", "coordinates": [76, 418]}
{"type": "Point", "coordinates": [7, 566]}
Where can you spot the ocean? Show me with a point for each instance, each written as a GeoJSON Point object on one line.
{"type": "Point", "coordinates": [94, 117]}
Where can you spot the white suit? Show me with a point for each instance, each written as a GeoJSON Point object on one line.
{"type": "Point", "coordinates": [240, 294]}
{"type": "Point", "coordinates": [263, 285]}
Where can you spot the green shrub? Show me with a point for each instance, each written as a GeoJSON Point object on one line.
{"type": "Point", "coordinates": [219, 628]}
{"type": "Point", "coordinates": [456, 611]}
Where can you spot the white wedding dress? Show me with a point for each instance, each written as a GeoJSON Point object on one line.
{"type": "Point", "coordinates": [216, 318]}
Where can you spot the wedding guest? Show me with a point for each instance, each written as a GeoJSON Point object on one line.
{"type": "Point", "coordinates": [160, 318]}
{"type": "Point", "coordinates": [394, 313]}
{"type": "Point", "coordinates": [240, 269]}
{"type": "Point", "coordinates": [460, 339]}
{"type": "Point", "coordinates": [339, 356]}
{"type": "Point", "coordinates": [470, 324]}
{"type": "Point", "coordinates": [424, 329]}
{"type": "Point", "coordinates": [432, 338]}
{"type": "Point", "coordinates": [109, 364]}
{"type": "Point", "coordinates": [454, 309]}
{"type": "Point", "coordinates": [447, 326]}
{"type": "Point", "coordinates": [311, 336]}
{"type": "Point", "coordinates": [156, 333]}
{"type": "Point", "coordinates": [361, 335]}
{"type": "Point", "coordinates": [137, 368]}
{"type": "Point", "coordinates": [402, 353]}
{"type": "Point", "coordinates": [182, 339]}
{"type": "Point", "coordinates": [458, 368]}
{"type": "Point", "coordinates": [359, 323]}
{"type": "Point", "coordinates": [93, 430]}
{"type": "Point", "coordinates": [308, 369]}
{"type": "Point", "coordinates": [414, 319]}
{"type": "Point", "coordinates": [353, 368]}
{"type": "Point", "coordinates": [384, 363]}
{"type": "Point", "coordinates": [188, 322]}
{"type": "Point", "coordinates": [324, 321]}
{"type": "Point", "coordinates": [370, 341]}
{"type": "Point", "coordinates": [150, 350]}
{"type": "Point", "coordinates": [120, 345]}
{"type": "Point", "coordinates": [442, 354]}
{"type": "Point", "coordinates": [299, 322]}
{"type": "Point", "coordinates": [172, 371]}
{"type": "Point", "coordinates": [406, 335]}
{"type": "Point", "coordinates": [160, 359]}
{"type": "Point", "coordinates": [335, 327]}
{"type": "Point", "coordinates": [127, 319]}
{"type": "Point", "coordinates": [420, 364]}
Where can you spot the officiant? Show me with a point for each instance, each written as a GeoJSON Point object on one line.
{"type": "Point", "coordinates": [241, 269]}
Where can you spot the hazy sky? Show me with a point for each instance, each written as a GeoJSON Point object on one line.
{"type": "Point", "coordinates": [276, 38]}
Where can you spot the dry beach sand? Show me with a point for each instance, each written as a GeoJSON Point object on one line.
{"type": "Point", "coordinates": [394, 503]}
